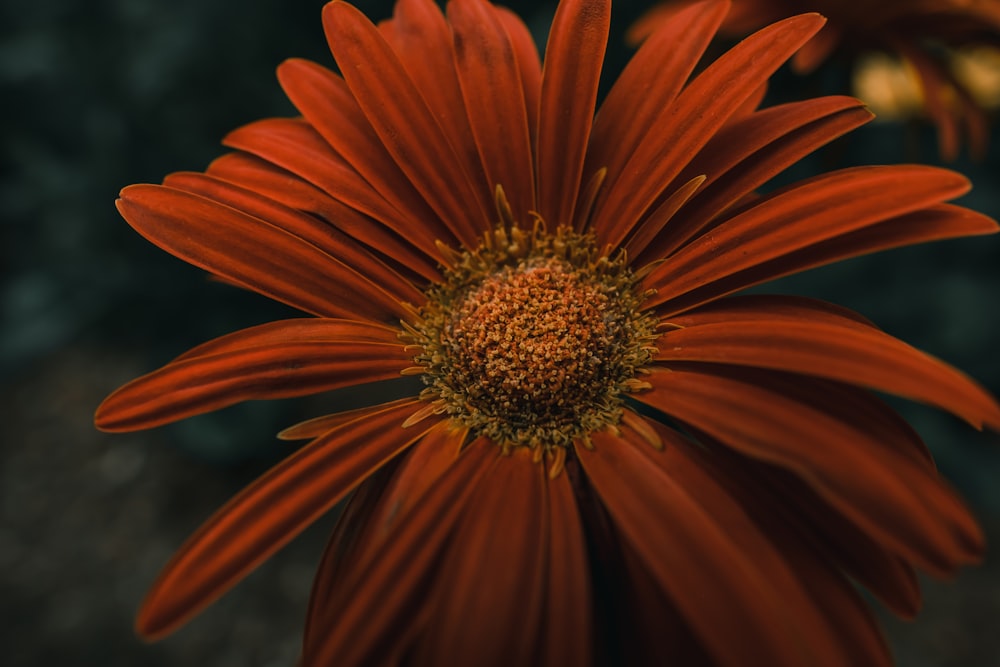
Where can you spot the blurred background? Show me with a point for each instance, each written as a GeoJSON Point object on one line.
{"type": "Point", "coordinates": [102, 94]}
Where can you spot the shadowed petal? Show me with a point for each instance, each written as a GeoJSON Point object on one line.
{"type": "Point", "coordinates": [326, 103]}
{"type": "Point", "coordinates": [253, 252]}
{"type": "Point", "coordinates": [641, 98]}
{"type": "Point", "coordinates": [526, 52]}
{"type": "Point", "coordinates": [490, 610]}
{"type": "Point", "coordinates": [570, 76]}
{"type": "Point", "coordinates": [942, 221]}
{"type": "Point", "coordinates": [697, 113]}
{"type": "Point", "coordinates": [884, 573]}
{"type": "Point", "coordinates": [421, 37]}
{"type": "Point", "coordinates": [417, 253]}
{"type": "Point", "coordinates": [746, 154]}
{"type": "Point", "coordinates": [268, 514]}
{"type": "Point", "coordinates": [843, 614]}
{"type": "Point", "coordinates": [357, 264]}
{"type": "Point", "coordinates": [399, 115]}
{"type": "Point", "coordinates": [317, 426]}
{"type": "Point", "coordinates": [567, 630]}
{"type": "Point", "coordinates": [893, 499]}
{"type": "Point", "coordinates": [801, 215]}
{"type": "Point", "coordinates": [370, 516]}
{"type": "Point", "coordinates": [494, 98]}
{"type": "Point", "coordinates": [728, 602]}
{"type": "Point", "coordinates": [295, 145]}
{"type": "Point", "coordinates": [275, 360]}
{"type": "Point", "coordinates": [738, 517]}
{"type": "Point", "coordinates": [389, 583]}
{"type": "Point", "coordinates": [838, 351]}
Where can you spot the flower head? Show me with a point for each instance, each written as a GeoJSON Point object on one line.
{"type": "Point", "coordinates": [932, 38]}
{"type": "Point", "coordinates": [610, 455]}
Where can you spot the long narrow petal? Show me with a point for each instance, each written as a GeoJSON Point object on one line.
{"type": "Point", "coordinates": [293, 144]}
{"type": "Point", "coordinates": [698, 112]}
{"type": "Point", "coordinates": [490, 611]}
{"type": "Point", "coordinates": [389, 584]}
{"type": "Point", "coordinates": [567, 629]}
{"type": "Point", "coordinates": [413, 253]}
{"type": "Point", "coordinates": [354, 261]}
{"type": "Point", "coordinates": [370, 516]}
{"type": "Point", "coordinates": [530, 65]}
{"type": "Point", "coordinates": [325, 101]}
{"type": "Point", "coordinates": [253, 252]}
{"type": "Point", "coordinates": [421, 38]}
{"type": "Point", "coordinates": [494, 98]}
{"type": "Point", "coordinates": [570, 76]}
{"type": "Point", "coordinates": [746, 154]}
{"type": "Point", "coordinates": [849, 353]}
{"type": "Point", "coordinates": [943, 221]}
{"type": "Point", "coordinates": [890, 497]}
{"type": "Point", "coordinates": [642, 95]}
{"type": "Point", "coordinates": [739, 517]}
{"type": "Point", "coordinates": [806, 213]}
{"type": "Point", "coordinates": [847, 619]}
{"type": "Point", "coordinates": [728, 602]}
{"type": "Point", "coordinates": [318, 426]}
{"type": "Point", "coordinates": [770, 307]}
{"type": "Point", "coordinates": [275, 360]}
{"type": "Point", "coordinates": [884, 573]}
{"type": "Point", "coordinates": [268, 514]}
{"type": "Point", "coordinates": [399, 115]}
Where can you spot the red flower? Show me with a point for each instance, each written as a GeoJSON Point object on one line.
{"type": "Point", "coordinates": [611, 456]}
{"type": "Point", "coordinates": [918, 31]}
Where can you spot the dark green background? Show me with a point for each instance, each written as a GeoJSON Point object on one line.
{"type": "Point", "coordinates": [98, 95]}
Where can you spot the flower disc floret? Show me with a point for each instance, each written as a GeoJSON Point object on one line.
{"type": "Point", "coordinates": [534, 338]}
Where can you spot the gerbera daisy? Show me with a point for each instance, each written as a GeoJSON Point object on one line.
{"type": "Point", "coordinates": [930, 37]}
{"type": "Point", "coordinates": [612, 459]}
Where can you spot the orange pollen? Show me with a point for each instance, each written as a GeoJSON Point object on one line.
{"type": "Point", "coordinates": [532, 339]}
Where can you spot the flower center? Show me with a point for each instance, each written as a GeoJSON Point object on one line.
{"type": "Point", "coordinates": [533, 339]}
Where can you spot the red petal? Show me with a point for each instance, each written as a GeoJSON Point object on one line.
{"type": "Point", "coordinates": [728, 602]}
{"type": "Point", "coordinates": [388, 585]}
{"type": "Point", "coordinates": [357, 263]}
{"type": "Point", "coordinates": [651, 229]}
{"type": "Point", "coordinates": [696, 116]}
{"type": "Point", "coordinates": [369, 516]}
{"type": "Point", "coordinates": [294, 145]}
{"type": "Point", "coordinates": [421, 37]}
{"type": "Point", "coordinates": [641, 99]}
{"type": "Point", "coordinates": [746, 154]}
{"type": "Point", "coordinates": [888, 576]}
{"type": "Point", "coordinates": [254, 253]}
{"type": "Point", "coordinates": [489, 612]}
{"type": "Point", "coordinates": [494, 99]}
{"type": "Point", "coordinates": [570, 76]}
{"type": "Point", "coordinates": [885, 494]}
{"type": "Point", "coordinates": [801, 215]}
{"type": "Point", "coordinates": [325, 101]}
{"type": "Point", "coordinates": [275, 360]}
{"type": "Point", "coordinates": [835, 350]}
{"type": "Point", "coordinates": [740, 518]}
{"type": "Point", "coordinates": [770, 307]}
{"type": "Point", "coordinates": [267, 515]}
{"type": "Point", "coordinates": [568, 622]}
{"type": "Point", "coordinates": [942, 221]}
{"type": "Point", "coordinates": [314, 428]}
{"type": "Point", "coordinates": [260, 176]}
{"type": "Point", "coordinates": [527, 60]}
{"type": "Point", "coordinates": [399, 115]}
{"type": "Point", "coordinates": [847, 618]}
